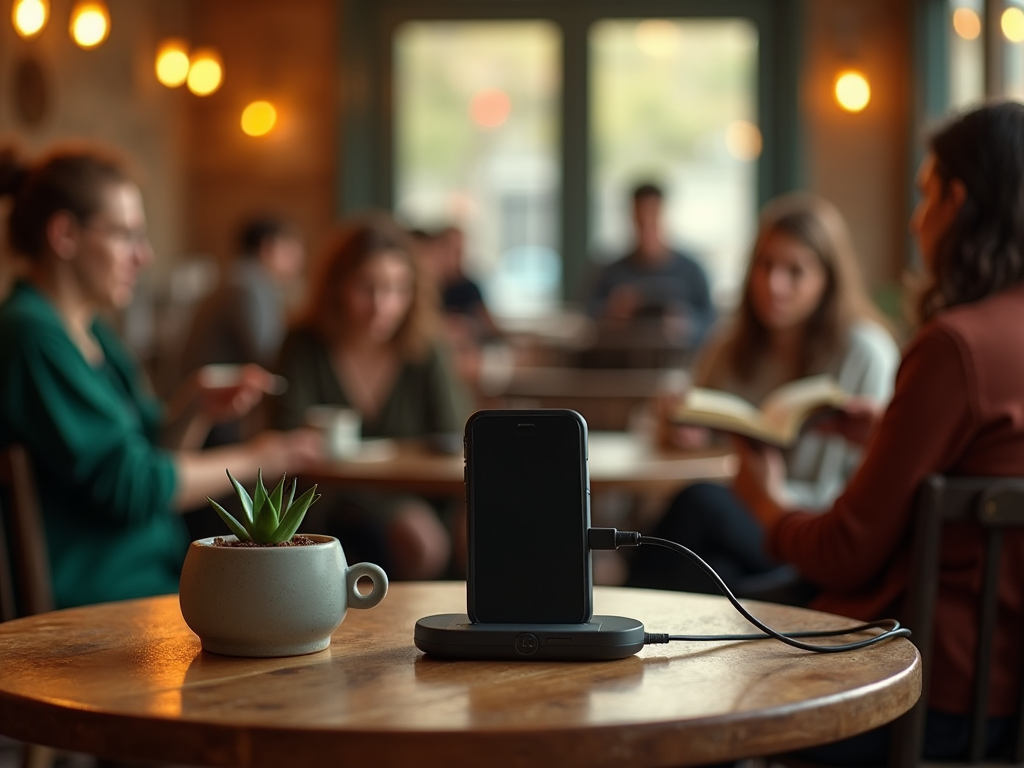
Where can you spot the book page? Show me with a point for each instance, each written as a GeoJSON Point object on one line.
{"type": "Point", "coordinates": [785, 409]}
{"type": "Point", "coordinates": [721, 410]}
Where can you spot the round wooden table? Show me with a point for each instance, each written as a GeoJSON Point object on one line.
{"type": "Point", "coordinates": [129, 681]}
{"type": "Point", "coordinates": [617, 460]}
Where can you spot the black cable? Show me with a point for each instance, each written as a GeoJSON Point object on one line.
{"type": "Point", "coordinates": [610, 538]}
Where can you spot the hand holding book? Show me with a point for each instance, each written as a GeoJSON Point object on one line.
{"type": "Point", "coordinates": [780, 420]}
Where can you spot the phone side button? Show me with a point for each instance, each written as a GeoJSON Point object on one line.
{"type": "Point", "coordinates": [558, 641]}
{"type": "Point", "coordinates": [526, 644]}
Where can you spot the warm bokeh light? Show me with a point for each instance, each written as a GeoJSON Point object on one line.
{"type": "Point", "coordinates": [90, 24]}
{"type": "Point", "coordinates": [853, 92]}
{"type": "Point", "coordinates": [206, 73]}
{"type": "Point", "coordinates": [259, 118]}
{"type": "Point", "coordinates": [1012, 23]}
{"type": "Point", "coordinates": [172, 63]}
{"type": "Point", "coordinates": [967, 23]}
{"type": "Point", "coordinates": [29, 17]}
{"type": "Point", "coordinates": [657, 37]}
{"type": "Point", "coordinates": [490, 107]}
{"type": "Point", "coordinates": [743, 140]}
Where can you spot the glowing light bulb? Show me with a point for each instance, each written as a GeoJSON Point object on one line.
{"type": "Point", "coordinates": [490, 107]}
{"type": "Point", "coordinates": [967, 23]}
{"type": "Point", "coordinates": [658, 38]}
{"type": "Point", "coordinates": [172, 63]}
{"type": "Point", "coordinates": [853, 92]}
{"type": "Point", "coordinates": [30, 16]}
{"type": "Point", "coordinates": [743, 140]}
{"type": "Point", "coordinates": [206, 73]}
{"type": "Point", "coordinates": [1012, 22]}
{"type": "Point", "coordinates": [259, 118]}
{"type": "Point", "coordinates": [90, 24]}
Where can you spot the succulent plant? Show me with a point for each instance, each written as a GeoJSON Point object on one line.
{"type": "Point", "coordinates": [268, 518]}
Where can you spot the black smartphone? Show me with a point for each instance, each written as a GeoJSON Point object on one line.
{"type": "Point", "coordinates": [528, 499]}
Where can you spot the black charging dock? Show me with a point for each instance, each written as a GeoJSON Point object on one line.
{"type": "Point", "coordinates": [454, 636]}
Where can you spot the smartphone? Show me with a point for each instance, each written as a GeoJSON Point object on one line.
{"type": "Point", "coordinates": [528, 501]}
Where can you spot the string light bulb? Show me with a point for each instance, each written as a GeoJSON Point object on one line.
{"type": "Point", "coordinates": [30, 17]}
{"type": "Point", "coordinates": [90, 24]}
{"type": "Point", "coordinates": [967, 23]}
{"type": "Point", "coordinates": [172, 62]}
{"type": "Point", "coordinates": [259, 118]}
{"type": "Point", "coordinates": [205, 73]}
{"type": "Point", "coordinates": [852, 90]}
{"type": "Point", "coordinates": [1012, 22]}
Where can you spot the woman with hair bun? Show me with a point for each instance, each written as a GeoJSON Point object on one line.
{"type": "Point", "coordinates": [957, 409]}
{"type": "Point", "coordinates": [112, 465]}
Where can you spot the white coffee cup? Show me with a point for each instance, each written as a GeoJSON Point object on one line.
{"type": "Point", "coordinates": [342, 428]}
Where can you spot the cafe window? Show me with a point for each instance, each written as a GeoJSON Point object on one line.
{"type": "Point", "coordinates": [966, 52]}
{"type": "Point", "coordinates": [527, 124]}
{"type": "Point", "coordinates": [476, 145]}
{"type": "Point", "coordinates": [1012, 27]}
{"type": "Point", "coordinates": [674, 101]}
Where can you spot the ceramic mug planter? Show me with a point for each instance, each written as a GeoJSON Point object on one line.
{"type": "Point", "coordinates": [272, 601]}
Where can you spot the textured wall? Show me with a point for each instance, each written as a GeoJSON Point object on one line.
{"type": "Point", "coordinates": [861, 161]}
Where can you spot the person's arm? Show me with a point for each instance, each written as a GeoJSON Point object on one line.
{"type": "Point", "coordinates": [198, 404]}
{"type": "Point", "coordinates": [299, 362]}
{"type": "Point", "coordinates": [925, 429]}
{"type": "Point", "coordinates": [447, 402]}
{"type": "Point", "coordinates": [201, 474]}
{"type": "Point", "coordinates": [829, 453]}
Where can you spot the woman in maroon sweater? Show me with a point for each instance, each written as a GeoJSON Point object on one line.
{"type": "Point", "coordinates": [958, 409]}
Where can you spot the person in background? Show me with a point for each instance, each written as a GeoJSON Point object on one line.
{"type": "Point", "coordinates": [957, 409]}
{"type": "Point", "coordinates": [471, 330]}
{"type": "Point", "coordinates": [654, 281]}
{"type": "Point", "coordinates": [368, 340]}
{"type": "Point", "coordinates": [112, 465]}
{"type": "Point", "coordinates": [243, 319]}
{"type": "Point", "coordinates": [804, 311]}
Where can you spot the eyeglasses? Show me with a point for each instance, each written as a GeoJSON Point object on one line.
{"type": "Point", "coordinates": [133, 237]}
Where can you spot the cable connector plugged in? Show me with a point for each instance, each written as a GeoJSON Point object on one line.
{"type": "Point", "coordinates": [610, 538]}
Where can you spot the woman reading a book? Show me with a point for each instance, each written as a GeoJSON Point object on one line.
{"type": "Point", "coordinates": [957, 409]}
{"type": "Point", "coordinates": [804, 312]}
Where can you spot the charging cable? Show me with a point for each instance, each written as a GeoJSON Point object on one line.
{"type": "Point", "coordinates": [610, 538]}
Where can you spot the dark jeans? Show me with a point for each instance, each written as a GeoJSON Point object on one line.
{"type": "Point", "coordinates": [946, 737]}
{"type": "Point", "coordinates": [711, 521]}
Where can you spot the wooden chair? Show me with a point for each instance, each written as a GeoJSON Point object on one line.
{"type": "Point", "coordinates": [25, 586]}
{"type": "Point", "coordinates": [996, 504]}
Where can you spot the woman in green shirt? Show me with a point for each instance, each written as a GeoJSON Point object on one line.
{"type": "Point", "coordinates": [112, 464]}
{"type": "Point", "coordinates": [368, 340]}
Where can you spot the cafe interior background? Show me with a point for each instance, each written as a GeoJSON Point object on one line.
{"type": "Point", "coordinates": [524, 122]}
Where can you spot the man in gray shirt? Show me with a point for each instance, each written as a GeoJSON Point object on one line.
{"type": "Point", "coordinates": [243, 319]}
{"type": "Point", "coordinates": [654, 281]}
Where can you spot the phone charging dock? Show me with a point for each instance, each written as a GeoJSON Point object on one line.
{"type": "Point", "coordinates": [454, 636]}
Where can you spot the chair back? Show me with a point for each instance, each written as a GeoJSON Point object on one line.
{"type": "Point", "coordinates": [995, 503]}
{"type": "Point", "coordinates": [25, 585]}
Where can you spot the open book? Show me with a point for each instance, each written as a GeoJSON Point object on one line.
{"type": "Point", "coordinates": [779, 421]}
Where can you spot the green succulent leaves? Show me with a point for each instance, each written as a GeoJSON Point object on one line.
{"type": "Point", "coordinates": [268, 518]}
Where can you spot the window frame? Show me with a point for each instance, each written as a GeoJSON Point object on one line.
{"type": "Point", "coordinates": [366, 157]}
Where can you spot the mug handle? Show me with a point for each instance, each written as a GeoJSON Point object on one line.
{"type": "Point", "coordinates": [375, 574]}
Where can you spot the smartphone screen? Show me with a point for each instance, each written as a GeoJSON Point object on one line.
{"type": "Point", "coordinates": [529, 510]}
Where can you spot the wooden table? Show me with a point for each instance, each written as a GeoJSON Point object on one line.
{"type": "Point", "coordinates": [618, 460]}
{"type": "Point", "coordinates": [128, 680]}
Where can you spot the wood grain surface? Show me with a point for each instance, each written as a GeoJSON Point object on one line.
{"type": "Point", "coordinates": [128, 680]}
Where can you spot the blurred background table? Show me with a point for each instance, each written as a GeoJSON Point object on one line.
{"type": "Point", "coordinates": [129, 681]}
{"type": "Point", "coordinates": [618, 461]}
